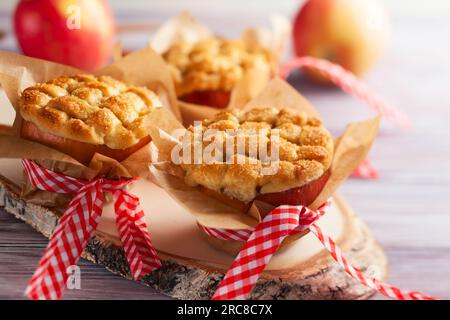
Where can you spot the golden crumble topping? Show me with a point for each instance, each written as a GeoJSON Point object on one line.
{"type": "Point", "coordinates": [305, 151]}
{"type": "Point", "coordinates": [97, 110]}
{"type": "Point", "coordinates": [212, 64]}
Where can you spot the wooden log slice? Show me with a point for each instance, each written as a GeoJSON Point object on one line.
{"type": "Point", "coordinates": [182, 278]}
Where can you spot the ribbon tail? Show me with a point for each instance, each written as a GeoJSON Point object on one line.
{"type": "Point", "coordinates": [251, 261]}
{"type": "Point", "coordinates": [373, 283]}
{"type": "Point", "coordinates": [68, 241]}
{"type": "Point", "coordinates": [139, 250]}
{"type": "Point", "coordinates": [350, 84]}
{"type": "Point", "coordinates": [365, 171]}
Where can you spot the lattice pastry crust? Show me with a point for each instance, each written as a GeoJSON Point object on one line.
{"type": "Point", "coordinates": [213, 64]}
{"type": "Point", "coordinates": [305, 153]}
{"type": "Point", "coordinates": [97, 110]}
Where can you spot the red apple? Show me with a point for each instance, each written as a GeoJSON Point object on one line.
{"type": "Point", "coordinates": [352, 33]}
{"type": "Point", "coordinates": [79, 33]}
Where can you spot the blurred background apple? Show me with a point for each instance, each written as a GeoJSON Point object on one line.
{"type": "Point", "coordinates": [79, 33]}
{"type": "Point", "coordinates": [352, 33]}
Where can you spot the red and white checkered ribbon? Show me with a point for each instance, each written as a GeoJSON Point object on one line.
{"type": "Point", "coordinates": [349, 83]}
{"type": "Point", "coordinates": [263, 241]}
{"type": "Point", "coordinates": [78, 223]}
{"type": "Point", "coordinates": [365, 171]}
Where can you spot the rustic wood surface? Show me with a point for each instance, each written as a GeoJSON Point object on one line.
{"type": "Point", "coordinates": [407, 208]}
{"type": "Point", "coordinates": [183, 278]}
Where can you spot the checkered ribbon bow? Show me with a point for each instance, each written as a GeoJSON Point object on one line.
{"type": "Point", "coordinates": [78, 223]}
{"type": "Point", "coordinates": [263, 241]}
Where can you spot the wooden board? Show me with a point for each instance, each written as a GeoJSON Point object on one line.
{"type": "Point", "coordinates": [315, 277]}
{"type": "Point", "coordinates": [414, 167]}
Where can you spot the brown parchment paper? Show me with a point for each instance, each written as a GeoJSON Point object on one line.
{"type": "Point", "coordinates": [184, 27]}
{"type": "Point", "coordinates": [350, 149]}
{"type": "Point", "coordinates": [17, 72]}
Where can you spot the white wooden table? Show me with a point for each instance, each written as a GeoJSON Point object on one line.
{"type": "Point", "coordinates": [407, 208]}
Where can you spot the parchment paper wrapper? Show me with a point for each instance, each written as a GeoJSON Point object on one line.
{"type": "Point", "coordinates": [350, 150]}
{"type": "Point", "coordinates": [184, 27]}
{"type": "Point", "coordinates": [17, 72]}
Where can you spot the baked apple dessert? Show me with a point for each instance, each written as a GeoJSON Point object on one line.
{"type": "Point", "coordinates": [297, 174]}
{"type": "Point", "coordinates": [84, 114]}
{"type": "Point", "coordinates": [206, 72]}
